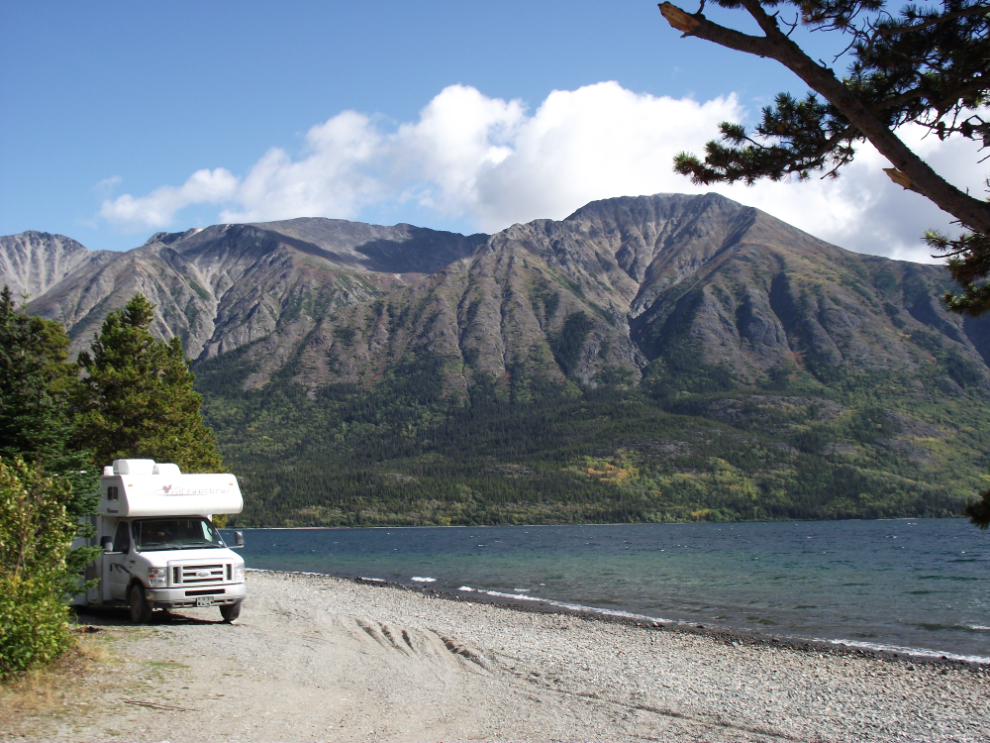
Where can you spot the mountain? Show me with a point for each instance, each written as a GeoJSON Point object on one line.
{"type": "Point", "coordinates": [647, 358]}
{"type": "Point", "coordinates": [221, 287]}
{"type": "Point", "coordinates": [693, 284]}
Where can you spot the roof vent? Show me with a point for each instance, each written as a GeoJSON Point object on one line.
{"type": "Point", "coordinates": [171, 470]}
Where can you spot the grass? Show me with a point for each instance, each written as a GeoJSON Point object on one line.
{"type": "Point", "coordinates": [63, 691]}
{"type": "Point", "coordinates": [96, 677]}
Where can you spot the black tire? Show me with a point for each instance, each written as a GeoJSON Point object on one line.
{"type": "Point", "coordinates": [230, 612]}
{"type": "Point", "coordinates": [140, 611]}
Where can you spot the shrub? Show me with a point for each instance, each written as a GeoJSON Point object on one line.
{"type": "Point", "coordinates": [35, 534]}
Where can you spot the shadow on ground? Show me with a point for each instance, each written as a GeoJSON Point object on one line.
{"type": "Point", "coordinates": [113, 616]}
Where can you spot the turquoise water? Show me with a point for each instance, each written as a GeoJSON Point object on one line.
{"type": "Point", "coordinates": [918, 585]}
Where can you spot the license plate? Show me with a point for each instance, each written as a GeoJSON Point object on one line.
{"type": "Point", "coordinates": [204, 601]}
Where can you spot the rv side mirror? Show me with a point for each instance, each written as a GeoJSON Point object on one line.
{"type": "Point", "coordinates": [107, 544]}
{"type": "Point", "coordinates": [238, 539]}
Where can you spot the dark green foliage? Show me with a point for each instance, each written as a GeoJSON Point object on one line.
{"type": "Point", "coordinates": [545, 298]}
{"type": "Point", "coordinates": [36, 417]}
{"type": "Point", "coordinates": [136, 399]}
{"type": "Point", "coordinates": [345, 336]}
{"type": "Point", "coordinates": [872, 422]}
{"type": "Point", "coordinates": [682, 369]}
{"type": "Point", "coordinates": [613, 376]}
{"type": "Point", "coordinates": [568, 342]}
{"type": "Point", "coordinates": [780, 375]}
{"type": "Point", "coordinates": [886, 282]}
{"type": "Point", "coordinates": [969, 261]}
{"type": "Point", "coordinates": [472, 311]}
{"type": "Point", "coordinates": [894, 313]}
{"type": "Point", "coordinates": [979, 512]}
{"type": "Point", "coordinates": [35, 414]}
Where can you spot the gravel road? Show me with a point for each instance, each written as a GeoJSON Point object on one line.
{"type": "Point", "coordinates": [318, 658]}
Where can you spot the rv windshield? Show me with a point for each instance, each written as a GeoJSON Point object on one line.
{"type": "Point", "coordinates": [175, 534]}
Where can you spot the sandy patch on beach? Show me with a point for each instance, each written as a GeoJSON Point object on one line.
{"type": "Point", "coordinates": [317, 658]}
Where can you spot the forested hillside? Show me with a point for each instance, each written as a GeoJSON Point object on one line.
{"type": "Point", "coordinates": [400, 452]}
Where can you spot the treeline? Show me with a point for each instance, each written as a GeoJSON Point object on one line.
{"type": "Point", "coordinates": [401, 453]}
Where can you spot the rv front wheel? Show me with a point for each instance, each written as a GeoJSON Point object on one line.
{"type": "Point", "coordinates": [140, 611]}
{"type": "Point", "coordinates": [230, 612]}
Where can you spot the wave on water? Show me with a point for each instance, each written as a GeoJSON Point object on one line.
{"type": "Point", "coordinates": [422, 579]}
{"type": "Point", "coordinates": [875, 647]}
{"type": "Point", "coordinates": [913, 652]}
{"type": "Point", "coordinates": [566, 605]}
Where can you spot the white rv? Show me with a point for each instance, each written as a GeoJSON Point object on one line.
{"type": "Point", "coordinates": [161, 549]}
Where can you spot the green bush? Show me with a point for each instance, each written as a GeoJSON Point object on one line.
{"type": "Point", "coordinates": [35, 534]}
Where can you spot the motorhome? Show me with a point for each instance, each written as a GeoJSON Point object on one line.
{"type": "Point", "coordinates": [161, 549]}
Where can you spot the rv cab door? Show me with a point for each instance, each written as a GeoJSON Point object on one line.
{"type": "Point", "coordinates": [117, 565]}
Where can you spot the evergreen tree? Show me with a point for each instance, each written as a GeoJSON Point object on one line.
{"type": "Point", "coordinates": [36, 417]}
{"type": "Point", "coordinates": [136, 399]}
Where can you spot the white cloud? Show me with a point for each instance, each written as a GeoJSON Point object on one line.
{"type": "Point", "coordinates": [107, 185]}
{"type": "Point", "coordinates": [490, 162]}
{"type": "Point", "coordinates": [334, 179]}
{"type": "Point", "coordinates": [158, 208]}
{"type": "Point", "coordinates": [460, 134]}
{"type": "Point", "coordinates": [591, 143]}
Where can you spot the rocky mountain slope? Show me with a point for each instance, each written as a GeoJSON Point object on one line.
{"type": "Point", "coordinates": [31, 263]}
{"type": "Point", "coordinates": [676, 284]}
{"type": "Point", "coordinates": [618, 284]}
{"type": "Point", "coordinates": [224, 286]}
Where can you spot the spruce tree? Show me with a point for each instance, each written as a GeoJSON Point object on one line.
{"type": "Point", "coordinates": [36, 419]}
{"type": "Point", "coordinates": [136, 398]}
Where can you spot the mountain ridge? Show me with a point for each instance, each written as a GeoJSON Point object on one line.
{"type": "Point", "coordinates": [649, 274]}
{"type": "Point", "coordinates": [209, 283]}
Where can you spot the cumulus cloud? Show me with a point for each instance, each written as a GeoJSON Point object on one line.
{"type": "Point", "coordinates": [492, 163]}
{"type": "Point", "coordinates": [334, 178]}
{"type": "Point", "coordinates": [158, 208]}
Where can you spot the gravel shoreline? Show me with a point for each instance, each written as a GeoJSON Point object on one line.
{"type": "Point", "coordinates": [322, 658]}
{"type": "Point", "coordinates": [729, 636]}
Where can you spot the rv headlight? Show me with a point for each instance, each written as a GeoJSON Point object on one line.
{"type": "Point", "coordinates": [157, 577]}
{"type": "Point", "coordinates": [239, 573]}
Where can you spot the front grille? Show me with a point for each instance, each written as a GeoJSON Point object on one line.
{"type": "Point", "coordinates": [200, 574]}
{"type": "Point", "coordinates": [207, 592]}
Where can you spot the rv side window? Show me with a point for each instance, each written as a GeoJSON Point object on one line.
{"type": "Point", "coordinates": [112, 492]}
{"type": "Point", "coordinates": [122, 540]}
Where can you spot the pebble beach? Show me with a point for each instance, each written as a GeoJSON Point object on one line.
{"type": "Point", "coordinates": [320, 658]}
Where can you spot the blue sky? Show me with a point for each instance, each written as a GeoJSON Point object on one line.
{"type": "Point", "coordinates": [120, 119]}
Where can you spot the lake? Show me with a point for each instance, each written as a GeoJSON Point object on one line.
{"type": "Point", "coordinates": [909, 585]}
